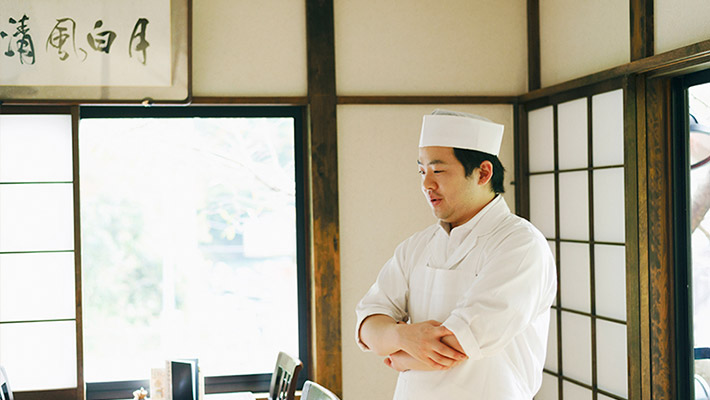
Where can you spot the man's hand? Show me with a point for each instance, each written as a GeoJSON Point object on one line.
{"type": "Point", "coordinates": [401, 361]}
{"type": "Point", "coordinates": [423, 342]}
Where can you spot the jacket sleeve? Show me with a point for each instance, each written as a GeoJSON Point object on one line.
{"type": "Point", "coordinates": [388, 295]}
{"type": "Point", "coordinates": [515, 284]}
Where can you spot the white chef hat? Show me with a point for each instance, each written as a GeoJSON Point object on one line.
{"type": "Point", "coordinates": [462, 130]}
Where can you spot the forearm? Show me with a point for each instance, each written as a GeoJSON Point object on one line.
{"type": "Point", "coordinates": [402, 361]}
{"type": "Point", "coordinates": [379, 335]}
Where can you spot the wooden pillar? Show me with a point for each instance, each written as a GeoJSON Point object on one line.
{"type": "Point", "coordinates": [325, 279]}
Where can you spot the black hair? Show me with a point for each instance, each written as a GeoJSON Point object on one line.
{"type": "Point", "coordinates": [472, 159]}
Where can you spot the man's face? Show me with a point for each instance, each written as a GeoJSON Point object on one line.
{"type": "Point", "coordinates": [453, 197]}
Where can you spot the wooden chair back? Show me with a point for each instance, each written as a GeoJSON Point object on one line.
{"type": "Point", "coordinates": [285, 377]}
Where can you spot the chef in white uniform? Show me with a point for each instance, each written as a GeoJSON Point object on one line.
{"type": "Point", "coordinates": [462, 308]}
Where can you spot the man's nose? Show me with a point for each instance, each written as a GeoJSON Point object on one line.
{"type": "Point", "coordinates": [428, 182]}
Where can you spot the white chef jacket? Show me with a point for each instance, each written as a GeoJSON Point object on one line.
{"type": "Point", "coordinates": [491, 281]}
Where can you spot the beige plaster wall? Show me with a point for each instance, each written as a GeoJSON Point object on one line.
{"type": "Point", "coordinates": [580, 37]}
{"type": "Point", "coordinates": [249, 48]}
{"type": "Point", "coordinates": [433, 47]}
{"type": "Point", "coordinates": [680, 23]}
{"type": "Point", "coordinates": [381, 204]}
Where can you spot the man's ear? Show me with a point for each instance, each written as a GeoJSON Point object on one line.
{"type": "Point", "coordinates": [485, 173]}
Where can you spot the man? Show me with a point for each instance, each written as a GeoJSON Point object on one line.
{"type": "Point", "coordinates": [462, 308]}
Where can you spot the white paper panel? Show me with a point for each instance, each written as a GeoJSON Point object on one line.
{"type": "Point", "coordinates": [574, 276]}
{"type": "Point", "coordinates": [602, 397]}
{"type": "Point", "coordinates": [548, 390]}
{"type": "Point", "coordinates": [551, 357]}
{"type": "Point", "coordinates": [39, 355]}
{"type": "Point", "coordinates": [574, 203]}
{"type": "Point", "coordinates": [553, 248]}
{"type": "Point", "coordinates": [610, 281]}
{"type": "Point", "coordinates": [35, 148]}
{"type": "Point", "coordinates": [572, 134]}
{"type": "Point", "coordinates": [609, 205]}
{"type": "Point", "coordinates": [36, 286]}
{"type": "Point", "coordinates": [541, 140]}
{"type": "Point", "coordinates": [577, 347]}
{"type": "Point", "coordinates": [608, 128]}
{"type": "Point", "coordinates": [36, 217]}
{"type": "Point", "coordinates": [611, 357]}
{"type": "Point", "coordinates": [575, 392]}
{"type": "Point", "coordinates": [542, 203]}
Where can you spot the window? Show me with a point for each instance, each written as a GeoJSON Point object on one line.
{"type": "Point", "coordinates": [576, 192]}
{"type": "Point", "coordinates": [192, 245]}
{"type": "Point", "coordinates": [691, 154]}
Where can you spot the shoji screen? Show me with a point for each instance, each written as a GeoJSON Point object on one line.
{"type": "Point", "coordinates": [576, 181]}
{"type": "Point", "coordinates": [37, 296]}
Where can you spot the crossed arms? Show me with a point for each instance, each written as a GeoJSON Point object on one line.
{"type": "Point", "coordinates": [425, 346]}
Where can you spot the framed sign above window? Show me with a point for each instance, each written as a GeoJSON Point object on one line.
{"type": "Point", "coordinates": [95, 50]}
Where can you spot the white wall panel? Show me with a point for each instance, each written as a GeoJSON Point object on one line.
{"type": "Point", "coordinates": [610, 281]}
{"type": "Point", "coordinates": [430, 47]}
{"type": "Point", "coordinates": [551, 356]}
{"type": "Point", "coordinates": [542, 203]}
{"type": "Point", "coordinates": [577, 347]}
{"type": "Point", "coordinates": [249, 48]}
{"type": "Point", "coordinates": [611, 357]}
{"type": "Point", "coordinates": [574, 205]}
{"type": "Point", "coordinates": [572, 134]}
{"type": "Point", "coordinates": [541, 140]}
{"type": "Point", "coordinates": [608, 128]}
{"type": "Point", "coordinates": [579, 37]}
{"type": "Point", "coordinates": [549, 388]}
{"type": "Point", "coordinates": [609, 221]}
{"type": "Point", "coordinates": [679, 23]}
{"type": "Point", "coordinates": [574, 276]}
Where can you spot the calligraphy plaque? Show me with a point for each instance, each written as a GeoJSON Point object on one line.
{"type": "Point", "coordinates": [94, 50]}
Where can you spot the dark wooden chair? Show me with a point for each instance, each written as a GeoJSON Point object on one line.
{"type": "Point", "coordinates": [285, 377]}
{"type": "Point", "coordinates": [314, 391]}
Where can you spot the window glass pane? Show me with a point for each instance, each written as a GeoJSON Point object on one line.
{"type": "Point", "coordinates": [542, 203]}
{"type": "Point", "coordinates": [541, 140]}
{"type": "Point", "coordinates": [572, 134]}
{"type": "Point", "coordinates": [189, 231]}
{"type": "Point", "coordinates": [39, 355]}
{"type": "Point", "coordinates": [577, 347]}
{"type": "Point", "coordinates": [610, 281]}
{"type": "Point", "coordinates": [609, 213]}
{"type": "Point", "coordinates": [611, 357]}
{"type": "Point", "coordinates": [574, 203]}
{"type": "Point", "coordinates": [548, 390]}
{"type": "Point", "coordinates": [35, 148]}
{"type": "Point", "coordinates": [608, 128]}
{"type": "Point", "coordinates": [36, 217]}
{"type": "Point", "coordinates": [36, 286]}
{"type": "Point", "coordinates": [699, 141]}
{"type": "Point", "coordinates": [575, 392]}
{"type": "Point", "coordinates": [574, 276]}
{"type": "Point", "coordinates": [551, 357]}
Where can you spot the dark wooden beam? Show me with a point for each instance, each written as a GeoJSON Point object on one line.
{"type": "Point", "coordinates": [427, 99]}
{"type": "Point", "coordinates": [641, 14]}
{"type": "Point", "coordinates": [325, 279]}
{"type": "Point", "coordinates": [251, 101]}
{"type": "Point", "coordinates": [694, 54]}
{"type": "Point", "coordinates": [660, 263]}
{"type": "Point", "coordinates": [521, 165]}
{"type": "Point", "coordinates": [637, 326]}
{"type": "Point", "coordinates": [534, 70]}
